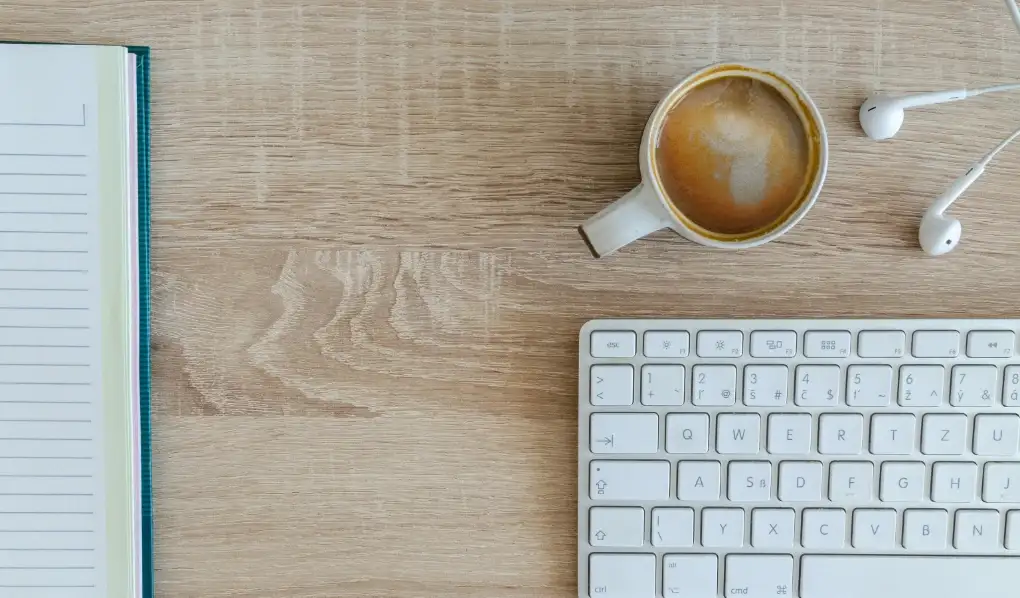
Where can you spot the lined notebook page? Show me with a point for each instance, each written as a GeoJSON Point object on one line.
{"type": "Point", "coordinates": [52, 519]}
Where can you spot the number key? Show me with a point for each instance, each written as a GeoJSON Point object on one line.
{"type": "Point", "coordinates": [1011, 387]}
{"type": "Point", "coordinates": [869, 385]}
{"type": "Point", "coordinates": [922, 385]}
{"type": "Point", "coordinates": [973, 385]}
{"type": "Point", "coordinates": [817, 385]}
{"type": "Point", "coordinates": [714, 385]}
{"type": "Point", "coordinates": [765, 385]}
{"type": "Point", "coordinates": [662, 385]}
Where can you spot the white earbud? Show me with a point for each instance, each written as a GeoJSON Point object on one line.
{"type": "Point", "coordinates": [882, 115]}
{"type": "Point", "coordinates": [939, 234]}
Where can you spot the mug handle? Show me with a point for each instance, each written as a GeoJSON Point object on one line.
{"type": "Point", "coordinates": [633, 216]}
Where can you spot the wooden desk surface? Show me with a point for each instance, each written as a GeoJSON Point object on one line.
{"type": "Point", "coordinates": [367, 281]}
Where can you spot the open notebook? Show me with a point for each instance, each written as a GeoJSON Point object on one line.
{"type": "Point", "coordinates": [75, 516]}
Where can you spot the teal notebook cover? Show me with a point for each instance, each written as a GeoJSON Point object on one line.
{"type": "Point", "coordinates": [144, 284]}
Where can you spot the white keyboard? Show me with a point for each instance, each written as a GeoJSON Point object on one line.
{"type": "Point", "coordinates": [799, 458]}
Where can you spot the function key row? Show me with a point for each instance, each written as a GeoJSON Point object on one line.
{"type": "Point", "coordinates": [784, 344]}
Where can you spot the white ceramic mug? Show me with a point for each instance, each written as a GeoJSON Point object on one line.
{"type": "Point", "coordinates": [647, 208]}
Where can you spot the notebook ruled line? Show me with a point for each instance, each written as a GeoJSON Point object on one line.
{"type": "Point", "coordinates": [7, 212]}
{"type": "Point", "coordinates": [37, 193]}
{"type": "Point", "coordinates": [46, 476]}
{"type": "Point", "coordinates": [71, 174]}
{"type": "Point", "coordinates": [38, 402]}
{"type": "Point", "coordinates": [27, 383]}
{"type": "Point", "coordinates": [47, 494]}
{"type": "Point", "coordinates": [45, 327]}
{"type": "Point", "coordinates": [79, 251]}
{"type": "Point", "coordinates": [44, 232]}
{"type": "Point", "coordinates": [16, 123]}
{"type": "Point", "coordinates": [45, 457]}
{"type": "Point", "coordinates": [7, 549]}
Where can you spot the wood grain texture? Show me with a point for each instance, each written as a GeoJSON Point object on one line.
{"type": "Point", "coordinates": [367, 281]}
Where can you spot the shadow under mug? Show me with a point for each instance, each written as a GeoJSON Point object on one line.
{"type": "Point", "coordinates": [647, 209]}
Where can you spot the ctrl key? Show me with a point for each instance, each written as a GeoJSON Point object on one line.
{"type": "Point", "coordinates": [621, 576]}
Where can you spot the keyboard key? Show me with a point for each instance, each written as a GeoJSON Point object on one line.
{"type": "Point", "coordinates": [997, 435]}
{"type": "Point", "coordinates": [690, 576]}
{"type": "Point", "coordinates": [616, 526]}
{"type": "Point", "coordinates": [800, 481]}
{"type": "Point", "coordinates": [817, 386]}
{"type": "Point", "coordinates": [675, 344]}
{"type": "Point", "coordinates": [754, 576]}
{"type": "Point", "coordinates": [765, 385]}
{"type": "Point", "coordinates": [902, 482]}
{"type": "Point", "coordinates": [687, 433]}
{"type": "Point", "coordinates": [827, 343]}
{"type": "Point", "coordinates": [621, 575]}
{"type": "Point", "coordinates": [824, 529]}
{"type": "Point", "coordinates": [936, 343]}
{"type": "Point", "coordinates": [943, 434]}
{"type": "Point", "coordinates": [1013, 530]}
{"type": "Point", "coordinates": [1001, 483]}
{"type": "Point", "coordinates": [977, 531]}
{"type": "Point", "coordinates": [869, 385]}
{"type": "Point", "coordinates": [714, 385]}
{"type": "Point", "coordinates": [720, 343]}
{"type": "Point", "coordinates": [773, 343]}
{"type": "Point", "coordinates": [1011, 386]}
{"type": "Point", "coordinates": [749, 481]}
{"type": "Point", "coordinates": [892, 434]}
{"type": "Point", "coordinates": [737, 434]}
{"type": "Point", "coordinates": [874, 529]}
{"type": "Point", "coordinates": [854, 576]}
{"type": "Point", "coordinates": [881, 343]}
{"type": "Point", "coordinates": [662, 385]}
{"type": "Point", "coordinates": [925, 529]}
{"type": "Point", "coordinates": [840, 434]}
{"type": "Point", "coordinates": [673, 528]}
{"type": "Point", "coordinates": [698, 481]}
{"type": "Point", "coordinates": [611, 385]}
{"type": "Point", "coordinates": [613, 343]}
{"type": "Point", "coordinates": [789, 434]}
{"type": "Point", "coordinates": [628, 480]}
{"type": "Point", "coordinates": [616, 433]}
{"type": "Point", "coordinates": [850, 481]}
{"type": "Point", "coordinates": [992, 343]}
{"type": "Point", "coordinates": [953, 482]}
{"type": "Point", "coordinates": [772, 528]}
{"type": "Point", "coordinates": [973, 385]}
{"type": "Point", "coordinates": [722, 528]}
{"type": "Point", "coordinates": [922, 385]}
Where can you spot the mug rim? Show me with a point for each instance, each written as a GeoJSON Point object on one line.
{"type": "Point", "coordinates": [689, 229]}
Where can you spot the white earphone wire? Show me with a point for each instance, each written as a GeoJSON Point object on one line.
{"type": "Point", "coordinates": [995, 152]}
{"type": "Point", "coordinates": [1014, 10]}
{"type": "Point", "coordinates": [993, 89]}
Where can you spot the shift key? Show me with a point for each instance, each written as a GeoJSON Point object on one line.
{"type": "Point", "coordinates": [628, 480]}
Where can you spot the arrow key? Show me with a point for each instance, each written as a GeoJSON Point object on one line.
{"type": "Point", "coordinates": [616, 433]}
{"type": "Point", "coordinates": [616, 526]}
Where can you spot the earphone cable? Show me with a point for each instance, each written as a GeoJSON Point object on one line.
{"type": "Point", "coordinates": [993, 89]}
{"type": "Point", "coordinates": [995, 152]}
{"type": "Point", "coordinates": [1014, 10]}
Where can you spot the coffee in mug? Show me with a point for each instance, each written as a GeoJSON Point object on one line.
{"type": "Point", "coordinates": [733, 157]}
